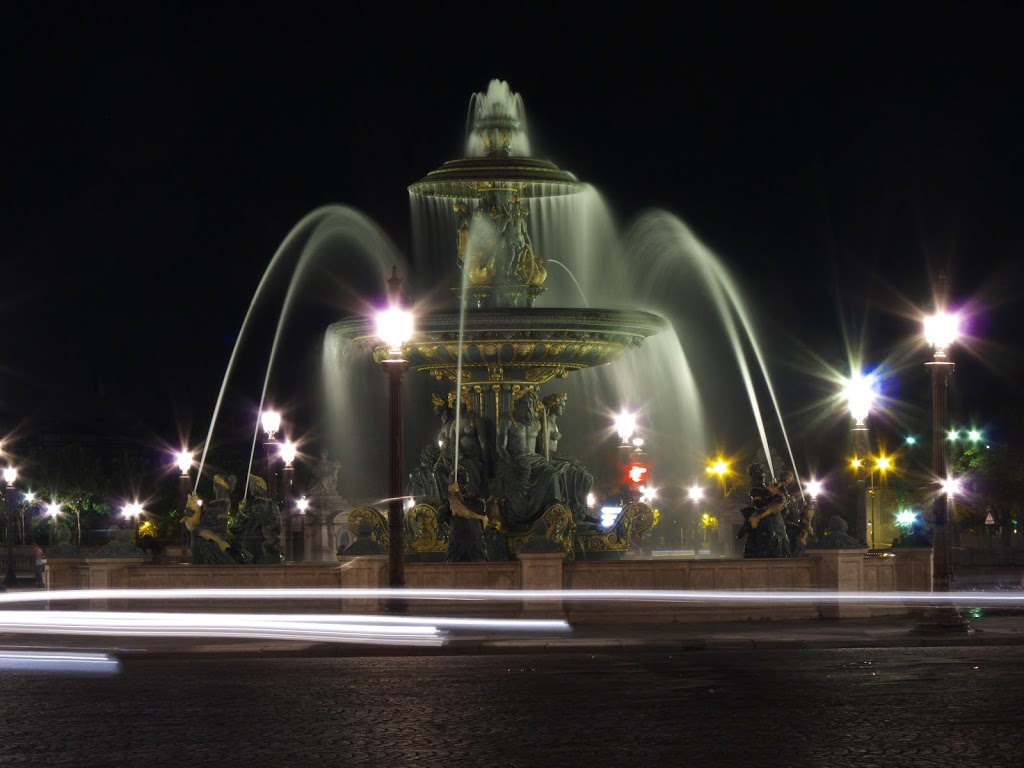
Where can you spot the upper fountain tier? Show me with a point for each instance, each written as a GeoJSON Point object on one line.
{"type": "Point", "coordinates": [497, 155]}
{"type": "Point", "coordinates": [489, 190]}
{"type": "Point", "coordinates": [501, 344]}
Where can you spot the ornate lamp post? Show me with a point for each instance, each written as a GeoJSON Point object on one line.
{"type": "Point", "coordinates": [395, 328]}
{"type": "Point", "coordinates": [813, 489]}
{"type": "Point", "coordinates": [288, 452]}
{"type": "Point", "coordinates": [882, 464]}
{"type": "Point", "coordinates": [625, 426]}
{"type": "Point", "coordinates": [133, 512]}
{"type": "Point", "coordinates": [859, 391]}
{"type": "Point", "coordinates": [184, 462]}
{"type": "Point", "coordinates": [30, 499]}
{"type": "Point", "coordinates": [10, 475]}
{"type": "Point", "coordinates": [720, 467]}
{"type": "Point", "coordinates": [271, 423]}
{"type": "Point", "coordinates": [302, 505]}
{"type": "Point", "coordinates": [53, 512]}
{"type": "Point", "coordinates": [696, 493]}
{"type": "Point", "coordinates": [941, 330]}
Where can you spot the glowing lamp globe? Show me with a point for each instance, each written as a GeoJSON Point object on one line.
{"type": "Point", "coordinates": [288, 452]}
{"type": "Point", "coordinates": [941, 329]}
{"type": "Point", "coordinates": [625, 426]}
{"type": "Point", "coordinates": [184, 461]}
{"type": "Point", "coordinates": [859, 392]}
{"type": "Point", "coordinates": [271, 422]}
{"type": "Point", "coordinates": [395, 328]}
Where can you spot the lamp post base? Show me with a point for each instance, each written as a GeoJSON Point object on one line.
{"type": "Point", "coordinates": [396, 606]}
{"type": "Point", "coordinates": [944, 620]}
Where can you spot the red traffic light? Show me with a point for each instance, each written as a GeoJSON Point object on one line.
{"type": "Point", "coordinates": [636, 473]}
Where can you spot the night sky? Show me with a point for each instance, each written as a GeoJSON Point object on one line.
{"type": "Point", "coordinates": [837, 156]}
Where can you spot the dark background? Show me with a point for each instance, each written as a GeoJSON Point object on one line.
{"type": "Point", "coordinates": [837, 156]}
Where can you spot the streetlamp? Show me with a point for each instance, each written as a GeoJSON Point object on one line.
{"type": "Point", "coordinates": [696, 493]}
{"type": "Point", "coordinates": [271, 423]}
{"type": "Point", "coordinates": [625, 426]}
{"type": "Point", "coordinates": [10, 475]}
{"type": "Point", "coordinates": [859, 391]}
{"type": "Point", "coordinates": [395, 328]}
{"type": "Point", "coordinates": [184, 461]}
{"type": "Point", "coordinates": [30, 499]}
{"type": "Point", "coordinates": [302, 505]}
{"type": "Point", "coordinates": [941, 331]}
{"type": "Point", "coordinates": [720, 467]}
{"type": "Point", "coordinates": [133, 512]}
{"type": "Point", "coordinates": [813, 489]}
{"type": "Point", "coordinates": [53, 512]}
{"type": "Point", "coordinates": [882, 464]}
{"type": "Point", "coordinates": [288, 451]}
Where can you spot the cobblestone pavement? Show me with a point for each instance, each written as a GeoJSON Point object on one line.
{"type": "Point", "coordinates": [855, 707]}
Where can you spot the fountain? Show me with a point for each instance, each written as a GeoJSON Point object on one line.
{"type": "Point", "coordinates": [501, 350]}
{"type": "Point", "coordinates": [500, 319]}
{"type": "Point", "coordinates": [534, 322]}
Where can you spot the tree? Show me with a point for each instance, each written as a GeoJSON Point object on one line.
{"type": "Point", "coordinates": [992, 474]}
{"type": "Point", "coordinates": [70, 473]}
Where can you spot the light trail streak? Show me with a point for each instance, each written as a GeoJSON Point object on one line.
{"type": "Point", "coordinates": [515, 595]}
{"type": "Point", "coordinates": [249, 626]}
{"type": "Point", "coordinates": [59, 661]}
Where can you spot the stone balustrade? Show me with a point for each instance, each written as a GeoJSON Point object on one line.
{"type": "Point", "coordinates": [827, 571]}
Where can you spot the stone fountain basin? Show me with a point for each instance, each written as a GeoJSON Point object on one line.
{"type": "Point", "coordinates": [531, 346]}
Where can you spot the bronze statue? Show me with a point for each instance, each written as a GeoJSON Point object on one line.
{"type": "Point", "coordinates": [764, 528]}
{"type": "Point", "coordinates": [835, 536]}
{"type": "Point", "coordinates": [494, 245]}
{"type": "Point", "coordinates": [430, 478]}
{"type": "Point", "coordinates": [526, 481]}
{"type": "Point", "coordinates": [577, 482]}
{"type": "Point", "coordinates": [208, 524]}
{"type": "Point", "coordinates": [256, 531]}
{"type": "Point", "coordinates": [464, 514]}
{"type": "Point", "coordinates": [799, 517]}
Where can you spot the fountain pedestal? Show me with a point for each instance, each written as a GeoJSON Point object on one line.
{"type": "Point", "coordinates": [326, 528]}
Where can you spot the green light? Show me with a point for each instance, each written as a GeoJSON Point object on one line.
{"type": "Point", "coordinates": [911, 440]}
{"type": "Point", "coordinates": [905, 517]}
{"type": "Point", "coordinates": [974, 435]}
{"type": "Point", "coordinates": [952, 434]}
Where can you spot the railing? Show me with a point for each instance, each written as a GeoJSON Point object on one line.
{"type": "Point", "coordinates": [24, 561]}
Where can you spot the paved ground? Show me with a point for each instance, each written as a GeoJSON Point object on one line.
{"type": "Point", "coordinates": [842, 708]}
{"type": "Point", "coordinates": [842, 693]}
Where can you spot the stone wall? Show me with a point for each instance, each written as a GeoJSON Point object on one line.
{"type": "Point", "coordinates": [825, 571]}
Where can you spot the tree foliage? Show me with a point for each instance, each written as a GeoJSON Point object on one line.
{"type": "Point", "coordinates": [992, 473]}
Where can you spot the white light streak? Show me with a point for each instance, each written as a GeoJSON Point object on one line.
{"type": "Point", "coordinates": [306, 628]}
{"type": "Point", "coordinates": [504, 595]}
{"type": "Point", "coordinates": [59, 661]}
